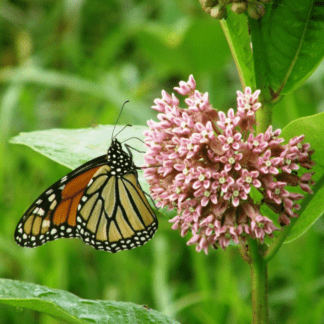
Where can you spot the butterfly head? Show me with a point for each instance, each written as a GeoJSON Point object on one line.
{"type": "Point", "coordinates": [115, 149]}
{"type": "Point", "coordinates": [115, 146]}
{"type": "Point", "coordinates": [118, 159]}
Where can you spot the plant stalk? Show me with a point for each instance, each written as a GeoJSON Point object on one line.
{"type": "Point", "coordinates": [259, 283]}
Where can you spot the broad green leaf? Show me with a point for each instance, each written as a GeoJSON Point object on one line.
{"type": "Point", "coordinates": [312, 128]}
{"type": "Point", "coordinates": [73, 147]}
{"type": "Point", "coordinates": [236, 31]}
{"type": "Point", "coordinates": [72, 309]}
{"type": "Point", "coordinates": [312, 205]}
{"type": "Point", "coordinates": [312, 210]}
{"type": "Point", "coordinates": [291, 43]}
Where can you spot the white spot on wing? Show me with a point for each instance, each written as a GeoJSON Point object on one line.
{"type": "Point", "coordinates": [64, 178]}
{"type": "Point", "coordinates": [53, 204]}
{"type": "Point", "coordinates": [46, 223]}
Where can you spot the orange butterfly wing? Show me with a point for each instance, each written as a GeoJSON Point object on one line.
{"type": "Point", "coordinates": [53, 214]}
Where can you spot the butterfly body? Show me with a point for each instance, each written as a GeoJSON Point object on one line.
{"type": "Point", "coordinates": [100, 202]}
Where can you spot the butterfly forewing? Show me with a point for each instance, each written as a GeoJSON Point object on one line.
{"type": "Point", "coordinates": [53, 214]}
{"type": "Point", "coordinates": [101, 202]}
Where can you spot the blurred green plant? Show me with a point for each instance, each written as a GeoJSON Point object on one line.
{"type": "Point", "coordinates": [71, 64]}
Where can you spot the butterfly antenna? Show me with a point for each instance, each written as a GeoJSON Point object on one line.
{"type": "Point", "coordinates": [112, 135]}
{"type": "Point", "coordinates": [128, 125]}
{"type": "Point", "coordinates": [133, 138]}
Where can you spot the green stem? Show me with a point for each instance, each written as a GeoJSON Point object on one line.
{"type": "Point", "coordinates": [264, 117]}
{"type": "Point", "coordinates": [259, 282]}
{"type": "Point", "coordinates": [255, 254]}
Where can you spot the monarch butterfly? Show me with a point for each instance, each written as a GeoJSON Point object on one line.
{"type": "Point", "coordinates": [100, 202]}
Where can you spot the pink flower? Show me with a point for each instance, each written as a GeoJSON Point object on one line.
{"type": "Point", "coordinates": [276, 191]}
{"type": "Point", "coordinates": [231, 160]}
{"type": "Point", "coordinates": [247, 179]}
{"type": "Point", "coordinates": [186, 87]}
{"type": "Point", "coordinates": [230, 121]}
{"type": "Point", "coordinates": [235, 192]}
{"type": "Point", "coordinates": [229, 140]}
{"type": "Point", "coordinates": [257, 144]}
{"type": "Point", "coordinates": [306, 181]}
{"type": "Point", "coordinates": [261, 226]}
{"type": "Point", "coordinates": [267, 165]}
{"type": "Point", "coordinates": [207, 165]}
{"type": "Point", "coordinates": [247, 102]}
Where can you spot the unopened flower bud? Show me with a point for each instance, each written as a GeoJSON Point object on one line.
{"type": "Point", "coordinates": [218, 12]}
{"type": "Point", "coordinates": [239, 7]}
{"type": "Point", "coordinates": [256, 10]}
{"type": "Point", "coordinates": [208, 4]}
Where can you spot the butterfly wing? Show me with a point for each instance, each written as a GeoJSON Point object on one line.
{"type": "Point", "coordinates": [53, 214]}
{"type": "Point", "coordinates": [114, 214]}
{"type": "Point", "coordinates": [100, 202]}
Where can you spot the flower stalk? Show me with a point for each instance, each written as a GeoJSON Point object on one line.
{"type": "Point", "coordinates": [259, 283]}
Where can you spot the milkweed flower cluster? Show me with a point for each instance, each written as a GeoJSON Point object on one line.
{"type": "Point", "coordinates": [207, 164]}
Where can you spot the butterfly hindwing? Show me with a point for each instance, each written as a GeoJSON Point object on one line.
{"type": "Point", "coordinates": [114, 214]}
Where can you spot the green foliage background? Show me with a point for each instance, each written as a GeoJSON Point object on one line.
{"type": "Point", "coordinates": [71, 64]}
